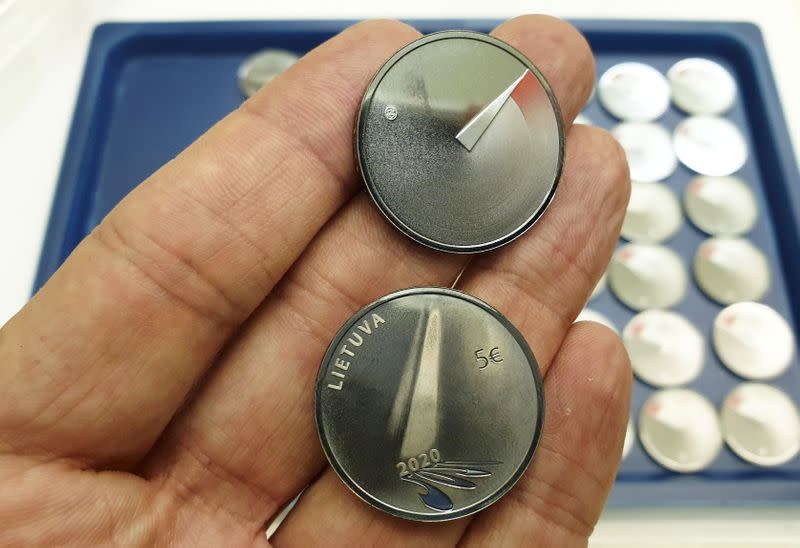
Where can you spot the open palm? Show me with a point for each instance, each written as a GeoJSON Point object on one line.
{"type": "Point", "coordinates": [159, 389]}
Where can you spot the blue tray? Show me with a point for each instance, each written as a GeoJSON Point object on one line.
{"type": "Point", "coordinates": [149, 89]}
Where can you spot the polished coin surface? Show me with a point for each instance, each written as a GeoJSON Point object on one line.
{"type": "Point", "coordinates": [720, 206]}
{"type": "Point", "coordinates": [429, 404]}
{"type": "Point", "coordinates": [753, 340]}
{"type": "Point", "coordinates": [634, 92]}
{"type": "Point", "coordinates": [460, 141]}
{"type": "Point", "coordinates": [648, 149]}
{"type": "Point", "coordinates": [262, 67]}
{"type": "Point", "coordinates": [730, 270]}
{"type": "Point", "coordinates": [591, 315]}
{"type": "Point", "coordinates": [665, 349]}
{"type": "Point", "coordinates": [701, 86]}
{"type": "Point", "coordinates": [680, 430]}
{"type": "Point", "coordinates": [653, 213]}
{"type": "Point", "coordinates": [761, 424]}
{"type": "Point", "coordinates": [710, 145]}
{"type": "Point", "coordinates": [646, 276]}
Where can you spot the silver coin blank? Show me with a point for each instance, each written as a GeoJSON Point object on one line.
{"type": "Point", "coordinates": [753, 341]}
{"type": "Point", "coordinates": [583, 119]}
{"type": "Point", "coordinates": [720, 206]}
{"type": "Point", "coordinates": [648, 149]}
{"type": "Point", "coordinates": [262, 67]}
{"type": "Point", "coordinates": [590, 315]}
{"type": "Point", "coordinates": [680, 430]}
{"type": "Point", "coordinates": [710, 145]}
{"type": "Point", "coordinates": [730, 270]}
{"type": "Point", "coordinates": [630, 439]}
{"type": "Point", "coordinates": [634, 92]}
{"type": "Point", "coordinates": [701, 86]}
{"type": "Point", "coordinates": [646, 276]}
{"type": "Point", "coordinates": [761, 424]}
{"type": "Point", "coordinates": [665, 349]}
{"type": "Point", "coordinates": [429, 404]}
{"type": "Point", "coordinates": [471, 156]}
{"type": "Point", "coordinates": [653, 213]}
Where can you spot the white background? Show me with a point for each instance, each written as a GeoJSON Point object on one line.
{"type": "Point", "coordinates": [42, 48]}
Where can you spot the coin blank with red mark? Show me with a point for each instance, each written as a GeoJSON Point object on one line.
{"type": "Point", "coordinates": [730, 270]}
{"type": "Point", "coordinates": [701, 86]}
{"type": "Point", "coordinates": [634, 91]}
{"type": "Point", "coordinates": [646, 276]}
{"type": "Point", "coordinates": [648, 149]}
{"type": "Point", "coordinates": [710, 145]}
{"type": "Point", "coordinates": [720, 206]}
{"type": "Point", "coordinates": [679, 429]}
{"type": "Point", "coordinates": [753, 340]}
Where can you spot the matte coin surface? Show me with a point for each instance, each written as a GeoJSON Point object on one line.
{"type": "Point", "coordinates": [653, 213]}
{"type": "Point", "coordinates": [634, 91]}
{"type": "Point", "coordinates": [710, 145]}
{"type": "Point", "coordinates": [753, 340]}
{"type": "Point", "coordinates": [701, 86]}
{"type": "Point", "coordinates": [731, 269]}
{"type": "Point", "coordinates": [429, 404]}
{"type": "Point", "coordinates": [460, 141]}
{"type": "Point", "coordinates": [679, 429]}
{"type": "Point", "coordinates": [665, 349]}
{"type": "Point", "coordinates": [646, 276]}
{"type": "Point", "coordinates": [648, 149]}
{"type": "Point", "coordinates": [761, 424]}
{"type": "Point", "coordinates": [259, 69]}
{"type": "Point", "coordinates": [590, 315]}
{"type": "Point", "coordinates": [720, 206]}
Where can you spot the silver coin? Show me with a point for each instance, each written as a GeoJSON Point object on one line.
{"type": "Point", "coordinates": [720, 206]}
{"type": "Point", "coordinates": [653, 213]}
{"type": "Point", "coordinates": [680, 430]}
{"type": "Point", "coordinates": [761, 424]}
{"type": "Point", "coordinates": [634, 92]}
{"type": "Point", "coordinates": [646, 276]}
{"type": "Point", "coordinates": [583, 119]}
{"type": "Point", "coordinates": [460, 141]}
{"type": "Point", "coordinates": [648, 149]}
{"type": "Point", "coordinates": [429, 404]}
{"type": "Point", "coordinates": [710, 145]}
{"type": "Point", "coordinates": [753, 340]}
{"type": "Point", "coordinates": [630, 439]}
{"type": "Point", "coordinates": [701, 86]}
{"type": "Point", "coordinates": [262, 67]}
{"type": "Point", "coordinates": [665, 349]}
{"type": "Point", "coordinates": [731, 269]}
{"type": "Point", "coordinates": [599, 287]}
{"type": "Point", "coordinates": [590, 315]}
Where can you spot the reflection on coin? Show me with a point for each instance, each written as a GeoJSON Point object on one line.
{"type": "Point", "coordinates": [720, 206]}
{"type": "Point", "coordinates": [701, 86]}
{"type": "Point", "coordinates": [583, 119]}
{"type": "Point", "coordinates": [630, 439]}
{"type": "Point", "coordinates": [753, 340]}
{"type": "Point", "coordinates": [653, 213]}
{"type": "Point", "coordinates": [731, 269]}
{"type": "Point", "coordinates": [679, 429]}
{"type": "Point", "coordinates": [600, 287]}
{"type": "Point", "coordinates": [429, 404]}
{"type": "Point", "coordinates": [761, 424]}
{"type": "Point", "coordinates": [460, 141]}
{"type": "Point", "coordinates": [648, 149]}
{"type": "Point", "coordinates": [647, 276]}
{"type": "Point", "coordinates": [259, 69]}
{"type": "Point", "coordinates": [664, 347]}
{"type": "Point", "coordinates": [710, 145]}
{"type": "Point", "coordinates": [590, 315]}
{"type": "Point", "coordinates": [634, 91]}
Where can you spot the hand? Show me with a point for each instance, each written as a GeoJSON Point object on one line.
{"type": "Point", "coordinates": [159, 389]}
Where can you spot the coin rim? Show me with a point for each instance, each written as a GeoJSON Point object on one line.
{"type": "Point", "coordinates": [366, 102]}
{"type": "Point", "coordinates": [363, 494]}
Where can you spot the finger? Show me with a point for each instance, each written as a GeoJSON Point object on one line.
{"type": "Point", "coordinates": [95, 365]}
{"type": "Point", "coordinates": [559, 499]}
{"type": "Point", "coordinates": [236, 447]}
{"type": "Point", "coordinates": [541, 281]}
{"type": "Point", "coordinates": [591, 155]}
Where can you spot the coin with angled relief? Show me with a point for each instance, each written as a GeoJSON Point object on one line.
{"type": "Point", "coordinates": [648, 149]}
{"type": "Point", "coordinates": [460, 141]}
{"type": "Point", "coordinates": [701, 86]}
{"type": "Point", "coordinates": [720, 206]}
{"type": "Point", "coordinates": [262, 67]}
{"type": "Point", "coordinates": [653, 213]}
{"type": "Point", "coordinates": [429, 404]}
{"type": "Point", "coordinates": [710, 145]}
{"type": "Point", "coordinates": [646, 276]}
{"type": "Point", "coordinates": [634, 92]}
{"type": "Point", "coordinates": [730, 270]}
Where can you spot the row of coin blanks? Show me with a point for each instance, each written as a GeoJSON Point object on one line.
{"type": "Point", "coordinates": [678, 427]}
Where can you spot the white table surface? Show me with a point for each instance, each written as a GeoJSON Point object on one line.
{"type": "Point", "coordinates": [43, 44]}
